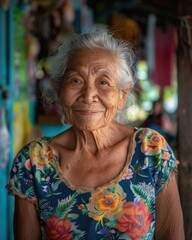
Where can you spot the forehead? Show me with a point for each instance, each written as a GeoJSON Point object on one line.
{"type": "Point", "coordinates": [94, 58]}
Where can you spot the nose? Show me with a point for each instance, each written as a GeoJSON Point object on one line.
{"type": "Point", "coordinates": [89, 94]}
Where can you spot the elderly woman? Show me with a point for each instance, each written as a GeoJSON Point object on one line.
{"type": "Point", "coordinates": [100, 179]}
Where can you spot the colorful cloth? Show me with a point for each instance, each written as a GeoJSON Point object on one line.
{"type": "Point", "coordinates": [165, 51]}
{"type": "Point", "coordinates": [123, 209]}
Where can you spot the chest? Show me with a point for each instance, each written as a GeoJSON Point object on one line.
{"type": "Point", "coordinates": [87, 170]}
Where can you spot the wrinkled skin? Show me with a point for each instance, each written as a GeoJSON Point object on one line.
{"type": "Point", "coordinates": [90, 93]}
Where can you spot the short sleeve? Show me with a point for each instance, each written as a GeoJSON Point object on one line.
{"type": "Point", "coordinates": [166, 166]}
{"type": "Point", "coordinates": [21, 177]}
{"type": "Point", "coordinates": [161, 159]}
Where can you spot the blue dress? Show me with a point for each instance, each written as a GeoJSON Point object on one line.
{"type": "Point", "coordinates": [123, 209]}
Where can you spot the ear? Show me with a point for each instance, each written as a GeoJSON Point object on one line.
{"type": "Point", "coordinates": [123, 96]}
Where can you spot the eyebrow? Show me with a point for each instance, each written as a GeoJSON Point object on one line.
{"type": "Point", "coordinates": [96, 70]}
{"type": "Point", "coordinates": [102, 70]}
{"type": "Point", "coordinates": [71, 71]}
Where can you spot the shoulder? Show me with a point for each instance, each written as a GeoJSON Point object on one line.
{"type": "Point", "coordinates": [157, 154]}
{"type": "Point", "coordinates": [154, 147]}
{"type": "Point", "coordinates": [42, 143]}
{"type": "Point", "coordinates": [146, 132]}
{"type": "Point", "coordinates": [36, 151]}
{"type": "Point", "coordinates": [152, 142]}
{"type": "Point", "coordinates": [64, 140]}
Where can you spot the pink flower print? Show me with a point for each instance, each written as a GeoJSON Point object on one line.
{"type": "Point", "coordinates": [128, 174]}
{"type": "Point", "coordinates": [28, 164]}
{"type": "Point", "coordinates": [166, 155]}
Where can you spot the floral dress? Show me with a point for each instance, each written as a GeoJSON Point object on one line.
{"type": "Point", "coordinates": [122, 209]}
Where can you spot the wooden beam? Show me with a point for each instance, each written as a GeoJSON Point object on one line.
{"type": "Point", "coordinates": [184, 66]}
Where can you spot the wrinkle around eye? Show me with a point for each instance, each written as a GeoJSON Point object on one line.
{"type": "Point", "coordinates": [74, 82]}
{"type": "Point", "coordinates": [108, 86]}
{"type": "Point", "coordinates": [103, 82]}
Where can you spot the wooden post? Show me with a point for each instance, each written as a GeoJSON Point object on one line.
{"type": "Point", "coordinates": [184, 66]}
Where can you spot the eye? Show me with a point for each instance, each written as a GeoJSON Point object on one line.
{"type": "Point", "coordinates": [76, 81]}
{"type": "Point", "coordinates": [103, 82]}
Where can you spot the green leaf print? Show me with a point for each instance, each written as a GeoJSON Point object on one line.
{"type": "Point", "coordinates": [48, 172]}
{"type": "Point", "coordinates": [65, 205]}
{"type": "Point", "coordinates": [30, 192]}
{"type": "Point", "coordinates": [43, 203]}
{"type": "Point", "coordinates": [55, 185]}
{"type": "Point", "coordinates": [111, 223]}
{"type": "Point", "coordinates": [38, 175]}
{"type": "Point", "coordinates": [18, 186]}
{"type": "Point", "coordinates": [112, 190]}
{"type": "Point", "coordinates": [20, 173]}
{"type": "Point", "coordinates": [150, 232]}
{"type": "Point", "coordinates": [72, 216]}
{"type": "Point", "coordinates": [145, 192]}
{"type": "Point", "coordinates": [77, 234]}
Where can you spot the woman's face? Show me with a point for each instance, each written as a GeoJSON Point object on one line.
{"type": "Point", "coordinates": [90, 93]}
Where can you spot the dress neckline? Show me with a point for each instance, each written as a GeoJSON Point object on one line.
{"type": "Point", "coordinates": [56, 163]}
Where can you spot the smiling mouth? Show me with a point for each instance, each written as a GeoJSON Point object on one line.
{"type": "Point", "coordinates": [87, 112]}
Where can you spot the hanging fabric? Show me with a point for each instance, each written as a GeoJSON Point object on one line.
{"type": "Point", "coordinates": [150, 43]}
{"type": "Point", "coordinates": [165, 50]}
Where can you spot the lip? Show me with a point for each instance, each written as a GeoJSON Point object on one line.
{"type": "Point", "coordinates": [87, 112]}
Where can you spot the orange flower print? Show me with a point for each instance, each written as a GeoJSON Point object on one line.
{"type": "Point", "coordinates": [166, 155]}
{"type": "Point", "coordinates": [40, 153]}
{"type": "Point", "coordinates": [152, 142]}
{"type": "Point", "coordinates": [106, 204]}
{"type": "Point", "coordinates": [58, 229]}
{"type": "Point", "coordinates": [135, 221]}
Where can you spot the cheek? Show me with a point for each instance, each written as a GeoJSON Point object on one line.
{"type": "Point", "coordinates": [68, 97]}
{"type": "Point", "coordinates": [110, 100]}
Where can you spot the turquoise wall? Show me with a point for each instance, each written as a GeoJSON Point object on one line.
{"type": "Point", "coordinates": [52, 130]}
{"type": "Point", "coordinates": [6, 83]}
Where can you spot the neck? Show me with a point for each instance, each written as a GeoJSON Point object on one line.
{"type": "Point", "coordinates": [96, 140]}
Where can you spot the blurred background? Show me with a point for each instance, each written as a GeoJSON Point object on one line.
{"type": "Point", "coordinates": [161, 34]}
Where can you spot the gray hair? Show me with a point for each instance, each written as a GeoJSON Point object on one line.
{"type": "Point", "coordinates": [98, 38]}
